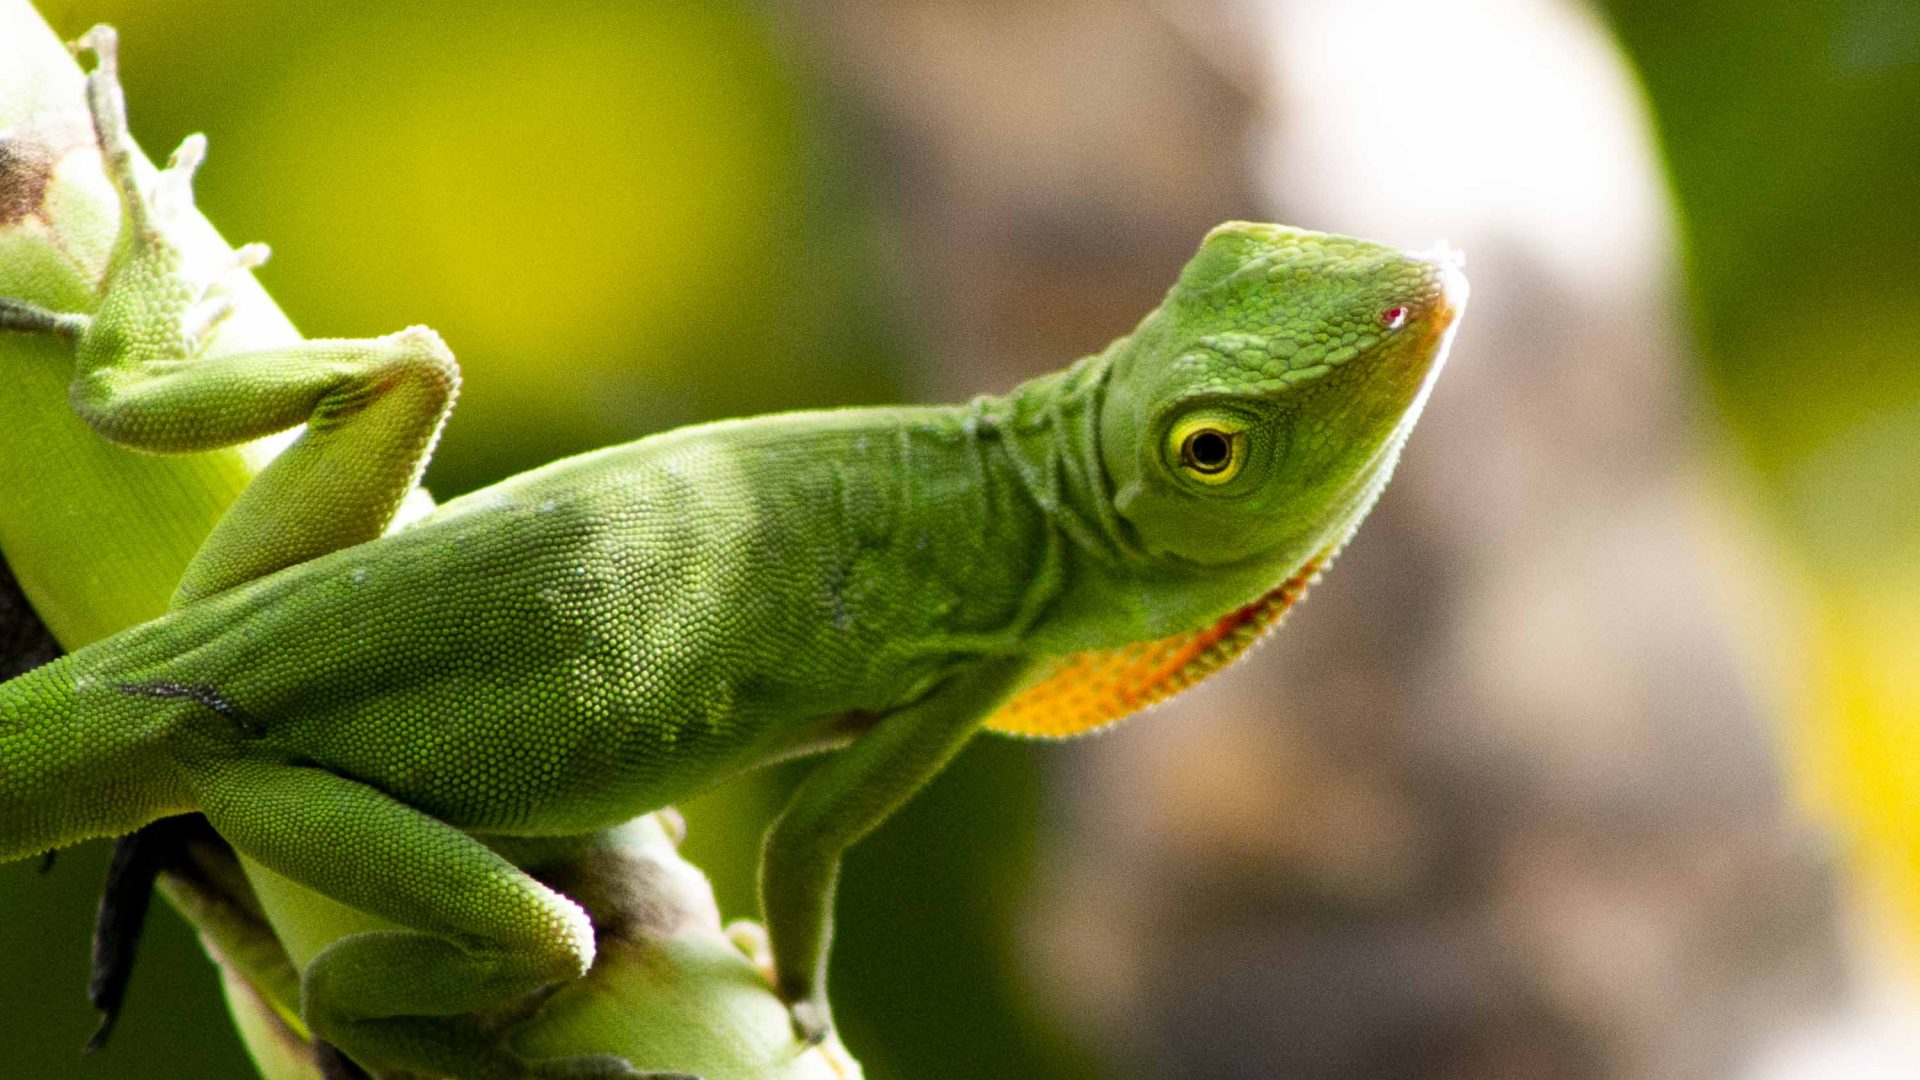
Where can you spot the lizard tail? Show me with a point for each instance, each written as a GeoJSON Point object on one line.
{"type": "Point", "coordinates": [67, 777]}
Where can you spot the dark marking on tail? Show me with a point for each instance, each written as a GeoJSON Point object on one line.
{"type": "Point", "coordinates": [46, 860]}
{"type": "Point", "coordinates": [205, 695]}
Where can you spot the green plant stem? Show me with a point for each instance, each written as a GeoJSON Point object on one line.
{"type": "Point", "coordinates": [97, 536]}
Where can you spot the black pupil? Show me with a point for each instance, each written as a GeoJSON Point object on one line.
{"type": "Point", "coordinates": [1209, 451]}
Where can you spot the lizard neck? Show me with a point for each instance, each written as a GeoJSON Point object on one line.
{"type": "Point", "coordinates": [1048, 430]}
{"type": "Point", "coordinates": [1097, 586]}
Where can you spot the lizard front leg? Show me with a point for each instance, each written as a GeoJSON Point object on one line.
{"type": "Point", "coordinates": [845, 799]}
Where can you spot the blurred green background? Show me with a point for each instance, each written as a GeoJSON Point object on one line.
{"type": "Point", "coordinates": [1599, 757]}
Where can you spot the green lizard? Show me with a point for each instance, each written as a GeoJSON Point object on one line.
{"type": "Point", "coordinates": [363, 713]}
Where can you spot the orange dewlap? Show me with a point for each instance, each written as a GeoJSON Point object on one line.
{"type": "Point", "coordinates": [1093, 689]}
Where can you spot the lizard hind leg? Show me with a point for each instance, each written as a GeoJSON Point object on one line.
{"type": "Point", "coordinates": [471, 930]}
{"type": "Point", "coordinates": [373, 407]}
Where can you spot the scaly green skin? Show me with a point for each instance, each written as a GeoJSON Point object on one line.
{"type": "Point", "coordinates": [613, 632]}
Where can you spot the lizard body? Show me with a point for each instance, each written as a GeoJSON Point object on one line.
{"type": "Point", "coordinates": [613, 632]}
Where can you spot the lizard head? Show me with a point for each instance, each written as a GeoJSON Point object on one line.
{"type": "Point", "coordinates": [1258, 411]}
{"type": "Point", "coordinates": [1246, 425]}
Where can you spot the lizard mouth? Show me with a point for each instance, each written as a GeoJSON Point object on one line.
{"type": "Point", "coordinates": [1090, 690]}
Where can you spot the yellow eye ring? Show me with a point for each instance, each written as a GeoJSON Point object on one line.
{"type": "Point", "coordinates": [1209, 450]}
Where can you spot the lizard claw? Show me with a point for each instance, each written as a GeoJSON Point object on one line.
{"type": "Point", "coordinates": [100, 39]}
{"type": "Point", "coordinates": [812, 1022]}
{"type": "Point", "coordinates": [248, 256]}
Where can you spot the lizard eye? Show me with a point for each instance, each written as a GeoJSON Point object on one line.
{"type": "Point", "coordinates": [1209, 450]}
{"type": "Point", "coordinates": [1394, 317]}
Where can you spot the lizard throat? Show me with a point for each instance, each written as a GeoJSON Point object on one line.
{"type": "Point", "coordinates": [1090, 690]}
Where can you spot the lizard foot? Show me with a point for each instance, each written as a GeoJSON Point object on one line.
{"type": "Point", "coordinates": [108, 104]}
{"type": "Point", "coordinates": [152, 211]}
{"type": "Point", "coordinates": [199, 321]}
